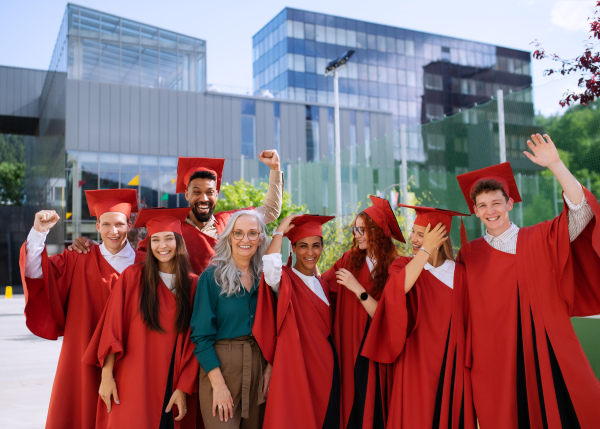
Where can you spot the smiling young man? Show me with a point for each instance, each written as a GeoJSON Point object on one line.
{"type": "Point", "coordinates": [66, 293]}
{"type": "Point", "coordinates": [527, 366]}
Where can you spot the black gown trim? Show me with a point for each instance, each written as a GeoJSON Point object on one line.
{"type": "Point", "coordinates": [437, 411]}
{"type": "Point", "coordinates": [166, 419]}
{"type": "Point", "coordinates": [361, 379]}
{"type": "Point", "coordinates": [332, 416]}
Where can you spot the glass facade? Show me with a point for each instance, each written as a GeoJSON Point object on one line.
{"type": "Point", "coordinates": [416, 76]}
{"type": "Point", "coordinates": [96, 46]}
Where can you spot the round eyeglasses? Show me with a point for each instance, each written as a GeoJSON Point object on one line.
{"type": "Point", "coordinates": [252, 235]}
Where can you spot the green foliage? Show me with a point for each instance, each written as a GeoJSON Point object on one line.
{"type": "Point", "coordinates": [243, 194]}
{"type": "Point", "coordinates": [11, 183]}
{"type": "Point", "coordinates": [12, 148]}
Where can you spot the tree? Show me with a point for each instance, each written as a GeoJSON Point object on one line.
{"type": "Point", "coordinates": [244, 194]}
{"type": "Point", "coordinates": [587, 64]}
{"type": "Point", "coordinates": [11, 183]}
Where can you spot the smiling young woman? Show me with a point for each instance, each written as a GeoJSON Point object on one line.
{"type": "Point", "coordinates": [142, 342]}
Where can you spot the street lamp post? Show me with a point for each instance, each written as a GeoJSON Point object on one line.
{"type": "Point", "coordinates": [334, 67]}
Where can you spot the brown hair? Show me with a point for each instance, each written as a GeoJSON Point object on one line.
{"type": "Point", "coordinates": [446, 251]}
{"type": "Point", "coordinates": [149, 306]}
{"type": "Point", "coordinates": [487, 185]}
{"type": "Point", "coordinates": [383, 250]}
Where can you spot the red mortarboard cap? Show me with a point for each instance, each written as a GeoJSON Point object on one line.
{"type": "Point", "coordinates": [383, 215]}
{"type": "Point", "coordinates": [112, 200]}
{"type": "Point", "coordinates": [433, 216]}
{"type": "Point", "coordinates": [502, 173]}
{"type": "Point", "coordinates": [307, 226]}
{"type": "Point", "coordinates": [161, 219]}
{"type": "Point", "coordinates": [186, 166]}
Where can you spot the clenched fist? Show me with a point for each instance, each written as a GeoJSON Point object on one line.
{"type": "Point", "coordinates": [45, 220]}
{"type": "Point", "coordinates": [271, 158]}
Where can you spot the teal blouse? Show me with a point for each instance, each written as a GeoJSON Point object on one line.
{"type": "Point", "coordinates": [216, 317]}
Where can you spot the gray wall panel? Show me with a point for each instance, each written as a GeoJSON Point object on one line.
{"type": "Point", "coordinates": [124, 129]}
{"type": "Point", "coordinates": [104, 118]}
{"type": "Point", "coordinates": [145, 117]}
{"type": "Point", "coordinates": [3, 89]}
{"type": "Point", "coordinates": [173, 131]}
{"type": "Point", "coordinates": [82, 138]}
{"type": "Point", "coordinates": [300, 136]}
{"type": "Point", "coordinates": [134, 119]}
{"type": "Point", "coordinates": [261, 127]}
{"type": "Point", "coordinates": [236, 133]}
{"type": "Point", "coordinates": [231, 114]}
{"type": "Point", "coordinates": [344, 129]}
{"type": "Point", "coordinates": [200, 142]}
{"type": "Point", "coordinates": [209, 126]}
{"type": "Point", "coordinates": [163, 122]}
{"type": "Point", "coordinates": [94, 116]}
{"type": "Point", "coordinates": [12, 103]}
{"type": "Point", "coordinates": [181, 123]}
{"type": "Point", "coordinates": [72, 115]}
{"type": "Point", "coordinates": [115, 116]}
{"type": "Point", "coordinates": [190, 123]}
{"type": "Point", "coordinates": [153, 124]}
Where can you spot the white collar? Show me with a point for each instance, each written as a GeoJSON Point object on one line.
{"type": "Point", "coordinates": [303, 276]}
{"type": "Point", "coordinates": [505, 237]}
{"type": "Point", "coordinates": [125, 252]}
{"type": "Point", "coordinates": [444, 267]}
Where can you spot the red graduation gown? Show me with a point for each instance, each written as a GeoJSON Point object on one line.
{"type": "Point", "coordinates": [363, 404]}
{"type": "Point", "coordinates": [423, 334]}
{"type": "Point", "coordinates": [200, 246]}
{"type": "Point", "coordinates": [68, 301]}
{"type": "Point", "coordinates": [294, 338]}
{"type": "Point", "coordinates": [143, 357]}
{"type": "Point", "coordinates": [527, 365]}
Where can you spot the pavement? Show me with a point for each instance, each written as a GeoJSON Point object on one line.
{"type": "Point", "coordinates": [27, 368]}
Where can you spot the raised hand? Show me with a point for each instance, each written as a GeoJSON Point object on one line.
{"type": "Point", "coordinates": [45, 220]}
{"type": "Point", "coordinates": [286, 224]}
{"type": "Point", "coordinates": [271, 158]}
{"type": "Point", "coordinates": [346, 278]}
{"type": "Point", "coordinates": [435, 237]}
{"type": "Point", "coordinates": [543, 151]}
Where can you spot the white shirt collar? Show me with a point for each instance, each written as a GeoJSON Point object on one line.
{"type": "Point", "coordinates": [505, 237]}
{"type": "Point", "coordinates": [125, 252]}
{"type": "Point", "coordinates": [444, 267]}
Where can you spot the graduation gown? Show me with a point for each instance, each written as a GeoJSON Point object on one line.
{"type": "Point", "coordinates": [296, 339]}
{"type": "Point", "coordinates": [143, 357]}
{"type": "Point", "coordinates": [423, 334]}
{"type": "Point", "coordinates": [68, 301]}
{"type": "Point", "coordinates": [365, 384]}
{"type": "Point", "coordinates": [200, 246]}
{"type": "Point", "coordinates": [527, 366]}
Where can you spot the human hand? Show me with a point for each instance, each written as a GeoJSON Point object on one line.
{"type": "Point", "coordinates": [45, 220]}
{"type": "Point", "coordinates": [286, 224]}
{"type": "Point", "coordinates": [178, 398]}
{"type": "Point", "coordinates": [80, 245]}
{"type": "Point", "coordinates": [271, 158]}
{"type": "Point", "coordinates": [222, 401]}
{"type": "Point", "coordinates": [267, 380]}
{"type": "Point", "coordinates": [108, 389]}
{"type": "Point", "coordinates": [544, 152]}
{"type": "Point", "coordinates": [346, 278]}
{"type": "Point", "coordinates": [434, 238]}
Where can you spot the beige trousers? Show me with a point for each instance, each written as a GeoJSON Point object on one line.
{"type": "Point", "coordinates": [242, 366]}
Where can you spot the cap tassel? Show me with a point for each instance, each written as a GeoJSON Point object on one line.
{"type": "Point", "coordinates": [289, 261]}
{"type": "Point", "coordinates": [464, 241]}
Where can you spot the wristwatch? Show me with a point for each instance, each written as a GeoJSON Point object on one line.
{"type": "Point", "coordinates": [363, 296]}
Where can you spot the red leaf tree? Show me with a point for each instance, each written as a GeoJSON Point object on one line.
{"type": "Point", "coordinates": [587, 65]}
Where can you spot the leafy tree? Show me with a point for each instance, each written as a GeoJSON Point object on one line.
{"type": "Point", "coordinates": [11, 183]}
{"type": "Point", "coordinates": [244, 194]}
{"type": "Point", "coordinates": [12, 148]}
{"type": "Point", "coordinates": [587, 65]}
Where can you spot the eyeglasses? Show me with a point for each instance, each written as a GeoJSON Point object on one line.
{"type": "Point", "coordinates": [359, 230]}
{"type": "Point", "coordinates": [252, 235]}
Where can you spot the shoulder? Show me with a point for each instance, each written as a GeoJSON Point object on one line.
{"type": "Point", "coordinates": [399, 263]}
{"type": "Point", "coordinates": [208, 275]}
{"type": "Point", "coordinates": [135, 270]}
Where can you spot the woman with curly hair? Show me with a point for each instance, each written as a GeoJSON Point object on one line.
{"type": "Point", "coordinates": [363, 272]}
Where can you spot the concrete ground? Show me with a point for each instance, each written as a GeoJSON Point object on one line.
{"type": "Point", "coordinates": [27, 367]}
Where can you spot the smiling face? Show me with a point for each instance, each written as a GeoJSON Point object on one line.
{"type": "Point", "coordinates": [164, 249]}
{"type": "Point", "coordinates": [308, 251]}
{"type": "Point", "coordinates": [493, 209]}
{"type": "Point", "coordinates": [113, 228]}
{"type": "Point", "coordinates": [363, 239]}
{"type": "Point", "coordinates": [416, 237]}
{"type": "Point", "coordinates": [246, 227]}
{"type": "Point", "coordinates": [202, 195]}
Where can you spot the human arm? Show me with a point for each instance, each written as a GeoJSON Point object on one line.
{"type": "Point", "coordinates": [432, 240]}
{"type": "Point", "coordinates": [272, 263]}
{"type": "Point", "coordinates": [108, 386]}
{"type": "Point", "coordinates": [43, 222]}
{"type": "Point", "coordinates": [271, 207]}
{"type": "Point", "coordinates": [346, 278]}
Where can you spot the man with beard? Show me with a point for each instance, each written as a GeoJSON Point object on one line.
{"type": "Point", "coordinates": [200, 180]}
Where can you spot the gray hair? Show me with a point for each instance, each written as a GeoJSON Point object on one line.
{"type": "Point", "coordinates": [227, 274]}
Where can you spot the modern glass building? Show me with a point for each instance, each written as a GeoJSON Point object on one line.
{"type": "Point", "coordinates": [416, 76]}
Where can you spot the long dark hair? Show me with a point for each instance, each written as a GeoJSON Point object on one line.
{"type": "Point", "coordinates": [149, 306]}
{"type": "Point", "coordinates": [383, 250]}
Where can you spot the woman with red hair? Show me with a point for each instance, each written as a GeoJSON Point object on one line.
{"type": "Point", "coordinates": [363, 271]}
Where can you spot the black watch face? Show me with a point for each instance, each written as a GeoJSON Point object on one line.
{"type": "Point", "coordinates": [364, 296]}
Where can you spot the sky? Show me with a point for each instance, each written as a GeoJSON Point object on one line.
{"type": "Point", "coordinates": [28, 29]}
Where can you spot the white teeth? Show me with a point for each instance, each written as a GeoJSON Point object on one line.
{"type": "Point", "coordinates": [493, 218]}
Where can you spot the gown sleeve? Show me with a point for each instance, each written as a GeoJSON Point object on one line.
{"type": "Point", "coordinates": [189, 373]}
